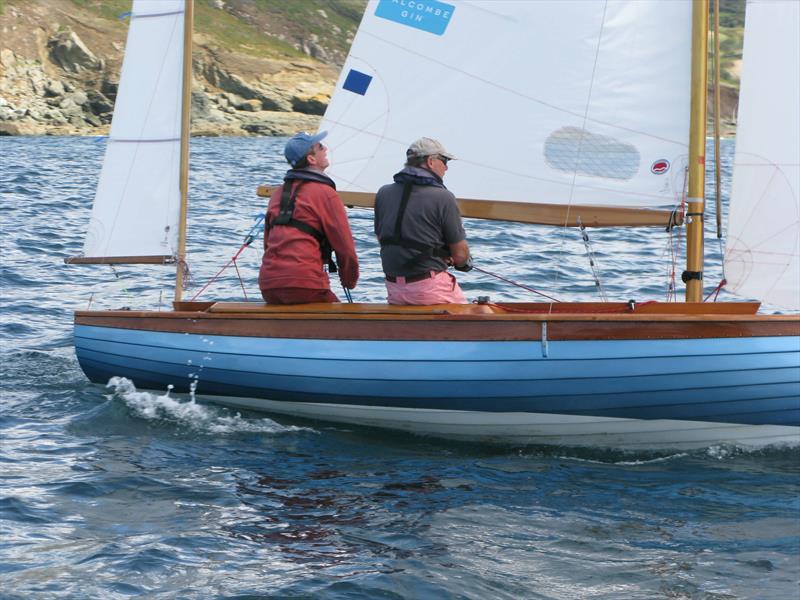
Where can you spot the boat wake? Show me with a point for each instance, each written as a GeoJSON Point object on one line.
{"type": "Point", "coordinates": [188, 413]}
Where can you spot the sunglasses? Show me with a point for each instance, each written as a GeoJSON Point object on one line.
{"type": "Point", "coordinates": [444, 159]}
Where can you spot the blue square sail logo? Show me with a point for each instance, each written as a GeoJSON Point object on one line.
{"type": "Point", "coordinates": [428, 15]}
{"type": "Point", "coordinates": [357, 82]}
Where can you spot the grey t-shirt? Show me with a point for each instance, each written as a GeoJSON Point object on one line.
{"type": "Point", "coordinates": [431, 218]}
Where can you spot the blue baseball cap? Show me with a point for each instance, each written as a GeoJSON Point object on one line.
{"type": "Point", "coordinates": [298, 147]}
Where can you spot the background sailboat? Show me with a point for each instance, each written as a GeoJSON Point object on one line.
{"type": "Point", "coordinates": [603, 141]}
{"type": "Point", "coordinates": [762, 256]}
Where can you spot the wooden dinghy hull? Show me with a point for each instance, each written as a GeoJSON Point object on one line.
{"type": "Point", "coordinates": [657, 376]}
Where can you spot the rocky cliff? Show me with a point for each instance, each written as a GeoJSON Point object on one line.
{"type": "Point", "coordinates": [263, 67]}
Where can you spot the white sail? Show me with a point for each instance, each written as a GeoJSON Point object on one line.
{"type": "Point", "coordinates": [136, 208]}
{"type": "Point", "coordinates": [762, 258]}
{"type": "Point", "coordinates": [578, 102]}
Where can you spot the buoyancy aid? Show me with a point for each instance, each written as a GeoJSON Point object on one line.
{"type": "Point", "coordinates": [397, 239]}
{"type": "Point", "coordinates": [286, 218]}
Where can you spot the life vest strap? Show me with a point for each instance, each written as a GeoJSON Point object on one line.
{"type": "Point", "coordinates": [286, 218]}
{"type": "Point", "coordinates": [397, 239]}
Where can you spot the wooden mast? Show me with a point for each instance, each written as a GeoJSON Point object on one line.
{"type": "Point", "coordinates": [717, 104]}
{"type": "Point", "coordinates": [186, 111]}
{"type": "Point", "coordinates": [693, 275]}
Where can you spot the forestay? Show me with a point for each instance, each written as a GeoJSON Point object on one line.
{"type": "Point", "coordinates": [552, 102]}
{"type": "Point", "coordinates": [136, 208]}
{"type": "Point", "coordinates": [762, 257]}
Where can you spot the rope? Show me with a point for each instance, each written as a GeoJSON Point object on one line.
{"type": "Point", "coordinates": [674, 242]}
{"type": "Point", "coordinates": [248, 239]}
{"type": "Point", "coordinates": [228, 264]}
{"type": "Point", "coordinates": [241, 281]}
{"type": "Point", "coordinates": [117, 276]}
{"type": "Point", "coordinates": [592, 264]}
{"type": "Point", "coordinates": [722, 254]}
{"type": "Point", "coordinates": [187, 272]}
{"type": "Point", "coordinates": [348, 295]}
{"type": "Point", "coordinates": [524, 287]}
{"type": "Point", "coordinates": [715, 292]}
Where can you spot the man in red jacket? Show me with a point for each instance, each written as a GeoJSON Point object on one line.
{"type": "Point", "coordinates": [305, 223]}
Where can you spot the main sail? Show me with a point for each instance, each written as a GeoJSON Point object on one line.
{"type": "Point", "coordinates": [762, 257]}
{"type": "Point", "coordinates": [544, 103]}
{"type": "Point", "coordinates": [136, 208]}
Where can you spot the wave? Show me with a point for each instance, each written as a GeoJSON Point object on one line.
{"type": "Point", "coordinates": [189, 413]}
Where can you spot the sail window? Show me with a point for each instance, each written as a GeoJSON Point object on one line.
{"type": "Point", "coordinates": [357, 82]}
{"type": "Point", "coordinates": [576, 150]}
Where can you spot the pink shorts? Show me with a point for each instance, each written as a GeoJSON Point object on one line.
{"type": "Point", "coordinates": [297, 296]}
{"type": "Point", "coordinates": [441, 288]}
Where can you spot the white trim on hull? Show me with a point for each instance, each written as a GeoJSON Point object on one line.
{"type": "Point", "coordinates": [518, 428]}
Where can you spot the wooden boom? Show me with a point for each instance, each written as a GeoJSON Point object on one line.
{"type": "Point", "coordinates": [541, 214]}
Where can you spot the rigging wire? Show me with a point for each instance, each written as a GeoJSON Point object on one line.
{"type": "Point", "coordinates": [717, 157]}
{"type": "Point", "coordinates": [717, 174]}
{"type": "Point", "coordinates": [248, 239]}
{"type": "Point", "coordinates": [674, 241]}
{"type": "Point", "coordinates": [572, 185]}
{"type": "Point", "coordinates": [715, 292]}
{"type": "Point", "coordinates": [520, 285]}
{"type": "Point", "coordinates": [587, 244]}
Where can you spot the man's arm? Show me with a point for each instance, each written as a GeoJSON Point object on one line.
{"type": "Point", "coordinates": [459, 253]}
{"type": "Point", "coordinates": [337, 230]}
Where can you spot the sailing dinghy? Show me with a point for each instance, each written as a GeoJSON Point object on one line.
{"type": "Point", "coordinates": [603, 117]}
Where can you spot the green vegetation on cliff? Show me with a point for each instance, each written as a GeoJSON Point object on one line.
{"type": "Point", "coordinates": [731, 35]}
{"type": "Point", "coordinates": [264, 28]}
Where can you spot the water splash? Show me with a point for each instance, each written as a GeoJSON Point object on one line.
{"type": "Point", "coordinates": [188, 413]}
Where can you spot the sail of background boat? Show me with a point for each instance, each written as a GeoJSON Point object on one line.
{"type": "Point", "coordinates": [762, 256]}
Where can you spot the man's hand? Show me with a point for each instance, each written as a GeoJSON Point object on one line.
{"type": "Point", "coordinates": [467, 266]}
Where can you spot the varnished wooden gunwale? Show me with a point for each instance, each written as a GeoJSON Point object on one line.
{"type": "Point", "coordinates": [579, 308]}
{"type": "Point", "coordinates": [448, 327]}
{"type": "Point", "coordinates": [562, 215]}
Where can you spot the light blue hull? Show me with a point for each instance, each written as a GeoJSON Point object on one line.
{"type": "Point", "coordinates": [743, 381]}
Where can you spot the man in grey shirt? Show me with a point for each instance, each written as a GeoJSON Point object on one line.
{"type": "Point", "coordinates": [420, 230]}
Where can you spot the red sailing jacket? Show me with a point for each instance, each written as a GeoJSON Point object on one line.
{"type": "Point", "coordinates": [292, 258]}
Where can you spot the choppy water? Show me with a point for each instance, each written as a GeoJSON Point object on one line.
{"type": "Point", "coordinates": [116, 493]}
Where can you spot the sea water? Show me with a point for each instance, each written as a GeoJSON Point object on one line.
{"type": "Point", "coordinates": [116, 492]}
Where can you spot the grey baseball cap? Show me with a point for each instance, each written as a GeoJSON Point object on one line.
{"type": "Point", "coordinates": [428, 147]}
